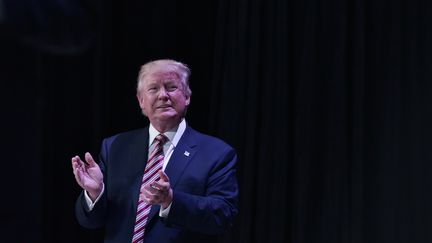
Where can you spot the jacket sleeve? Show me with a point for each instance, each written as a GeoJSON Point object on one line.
{"type": "Point", "coordinates": [94, 218]}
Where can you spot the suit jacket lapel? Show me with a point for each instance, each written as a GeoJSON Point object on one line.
{"type": "Point", "coordinates": [182, 154]}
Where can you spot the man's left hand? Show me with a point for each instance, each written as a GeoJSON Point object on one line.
{"type": "Point", "coordinates": [158, 192]}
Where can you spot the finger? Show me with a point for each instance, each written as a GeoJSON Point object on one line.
{"type": "Point", "coordinates": [148, 197]}
{"type": "Point", "coordinates": [155, 187]}
{"type": "Point", "coordinates": [76, 165]}
{"type": "Point", "coordinates": [79, 162]}
{"type": "Point", "coordinates": [142, 195]}
{"type": "Point", "coordinates": [78, 177]}
{"type": "Point", "coordinates": [148, 190]}
{"type": "Point", "coordinates": [163, 176]}
{"type": "Point", "coordinates": [142, 198]}
{"type": "Point", "coordinates": [75, 160]}
{"type": "Point", "coordinates": [160, 185]}
{"type": "Point", "coordinates": [89, 159]}
{"type": "Point", "coordinates": [149, 194]}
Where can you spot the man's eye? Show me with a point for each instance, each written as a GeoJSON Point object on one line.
{"type": "Point", "coordinates": [172, 88]}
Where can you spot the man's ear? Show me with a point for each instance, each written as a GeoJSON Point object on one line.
{"type": "Point", "coordinates": [140, 101]}
{"type": "Point", "coordinates": [187, 100]}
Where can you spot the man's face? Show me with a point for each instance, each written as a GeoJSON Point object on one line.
{"type": "Point", "coordinates": [162, 99]}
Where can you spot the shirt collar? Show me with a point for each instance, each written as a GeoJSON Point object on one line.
{"type": "Point", "coordinates": [173, 134]}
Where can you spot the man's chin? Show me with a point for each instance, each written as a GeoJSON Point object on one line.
{"type": "Point", "coordinates": [167, 116]}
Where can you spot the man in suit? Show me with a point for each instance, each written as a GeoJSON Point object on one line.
{"type": "Point", "coordinates": [192, 198]}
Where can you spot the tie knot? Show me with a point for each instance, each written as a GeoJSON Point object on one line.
{"type": "Point", "coordinates": [161, 139]}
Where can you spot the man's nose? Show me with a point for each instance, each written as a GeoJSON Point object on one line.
{"type": "Point", "coordinates": [163, 94]}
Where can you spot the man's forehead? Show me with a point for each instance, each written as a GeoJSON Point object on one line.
{"type": "Point", "coordinates": [162, 75]}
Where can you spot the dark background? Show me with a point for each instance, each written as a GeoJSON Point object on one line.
{"type": "Point", "coordinates": [328, 104]}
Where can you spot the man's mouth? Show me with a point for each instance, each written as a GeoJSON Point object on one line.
{"type": "Point", "coordinates": [163, 106]}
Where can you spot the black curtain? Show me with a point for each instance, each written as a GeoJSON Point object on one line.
{"type": "Point", "coordinates": [327, 103]}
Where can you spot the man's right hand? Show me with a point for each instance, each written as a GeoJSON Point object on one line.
{"type": "Point", "coordinates": [88, 175]}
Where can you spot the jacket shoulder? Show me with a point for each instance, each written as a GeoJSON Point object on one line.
{"type": "Point", "coordinates": [206, 139]}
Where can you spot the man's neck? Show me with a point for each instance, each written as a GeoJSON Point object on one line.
{"type": "Point", "coordinates": [163, 127]}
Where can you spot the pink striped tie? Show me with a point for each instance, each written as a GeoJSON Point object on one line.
{"type": "Point", "coordinates": [154, 164]}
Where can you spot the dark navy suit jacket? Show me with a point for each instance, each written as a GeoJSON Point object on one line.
{"type": "Point", "coordinates": [203, 178]}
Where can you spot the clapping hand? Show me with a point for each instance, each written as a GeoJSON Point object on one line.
{"type": "Point", "coordinates": [88, 175]}
{"type": "Point", "coordinates": [158, 192]}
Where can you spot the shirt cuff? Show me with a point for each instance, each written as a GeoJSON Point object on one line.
{"type": "Point", "coordinates": [88, 200]}
{"type": "Point", "coordinates": [163, 213]}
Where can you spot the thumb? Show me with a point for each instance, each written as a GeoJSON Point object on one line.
{"type": "Point", "coordinates": [163, 176]}
{"type": "Point", "coordinates": [89, 159]}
